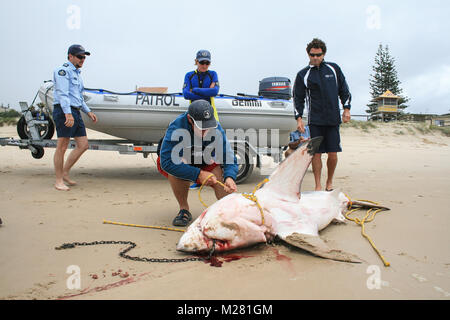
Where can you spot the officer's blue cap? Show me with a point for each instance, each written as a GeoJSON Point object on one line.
{"type": "Point", "coordinates": [77, 49]}
{"type": "Point", "coordinates": [203, 55]}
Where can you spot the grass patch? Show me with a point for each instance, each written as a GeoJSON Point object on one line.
{"type": "Point", "coordinates": [422, 128]}
{"type": "Point", "coordinates": [398, 128]}
{"type": "Point", "coordinates": [410, 130]}
{"type": "Point", "coordinates": [356, 124]}
{"type": "Point", "coordinates": [9, 114]}
{"type": "Point", "coordinates": [8, 121]}
{"type": "Point", "coordinates": [443, 130]}
{"type": "Point", "coordinates": [9, 117]}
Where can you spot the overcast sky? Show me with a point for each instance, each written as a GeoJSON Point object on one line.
{"type": "Point", "coordinates": [153, 43]}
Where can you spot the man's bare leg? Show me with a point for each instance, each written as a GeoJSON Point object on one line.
{"type": "Point", "coordinates": [180, 189]}
{"type": "Point", "coordinates": [331, 167]}
{"type": "Point", "coordinates": [58, 162]}
{"type": "Point", "coordinates": [317, 170]}
{"type": "Point", "coordinates": [82, 145]}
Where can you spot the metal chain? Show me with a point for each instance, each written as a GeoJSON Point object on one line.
{"type": "Point", "coordinates": [132, 245]}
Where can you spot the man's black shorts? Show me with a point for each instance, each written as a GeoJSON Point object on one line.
{"type": "Point", "coordinates": [77, 130]}
{"type": "Point", "coordinates": [331, 138]}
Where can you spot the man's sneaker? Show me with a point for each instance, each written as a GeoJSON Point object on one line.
{"type": "Point", "coordinates": [195, 186]}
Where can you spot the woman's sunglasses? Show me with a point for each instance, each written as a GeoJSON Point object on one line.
{"type": "Point", "coordinates": [204, 62]}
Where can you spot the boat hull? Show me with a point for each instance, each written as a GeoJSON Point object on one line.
{"type": "Point", "coordinates": [145, 118]}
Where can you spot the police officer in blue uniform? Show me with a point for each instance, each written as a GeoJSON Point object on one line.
{"type": "Point", "coordinates": [67, 104]}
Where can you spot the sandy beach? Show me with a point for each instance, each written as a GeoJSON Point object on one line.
{"type": "Point", "coordinates": [396, 165]}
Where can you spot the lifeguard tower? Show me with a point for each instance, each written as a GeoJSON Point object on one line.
{"type": "Point", "coordinates": [387, 107]}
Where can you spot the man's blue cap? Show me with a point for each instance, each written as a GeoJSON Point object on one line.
{"type": "Point", "coordinates": [77, 49]}
{"type": "Point", "coordinates": [202, 113]}
{"type": "Point", "coordinates": [203, 55]}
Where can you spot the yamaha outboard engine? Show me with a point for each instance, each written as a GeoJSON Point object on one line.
{"type": "Point", "coordinates": [275, 88]}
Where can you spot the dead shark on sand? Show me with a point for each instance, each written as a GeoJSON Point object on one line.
{"type": "Point", "coordinates": [236, 222]}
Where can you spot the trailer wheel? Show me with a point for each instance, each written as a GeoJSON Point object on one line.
{"type": "Point", "coordinates": [45, 131]}
{"type": "Point", "coordinates": [39, 153]}
{"type": "Point", "coordinates": [245, 168]}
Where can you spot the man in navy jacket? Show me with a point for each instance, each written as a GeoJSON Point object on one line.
{"type": "Point", "coordinates": [194, 147]}
{"type": "Point", "coordinates": [319, 87]}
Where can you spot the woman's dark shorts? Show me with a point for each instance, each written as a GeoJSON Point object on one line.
{"type": "Point", "coordinates": [331, 138]}
{"type": "Point", "coordinates": [77, 130]}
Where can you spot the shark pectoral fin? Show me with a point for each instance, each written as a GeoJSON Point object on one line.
{"type": "Point", "coordinates": [318, 247]}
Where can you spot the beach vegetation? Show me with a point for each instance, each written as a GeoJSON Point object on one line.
{"type": "Point", "coordinates": [9, 117]}
{"type": "Point", "coordinates": [444, 130]}
{"type": "Point", "coordinates": [398, 127]}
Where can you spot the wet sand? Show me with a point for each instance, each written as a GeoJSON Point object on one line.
{"type": "Point", "coordinates": [402, 169]}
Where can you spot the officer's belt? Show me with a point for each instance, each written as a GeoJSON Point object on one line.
{"type": "Point", "coordinates": [76, 108]}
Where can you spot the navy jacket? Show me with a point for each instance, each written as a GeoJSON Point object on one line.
{"type": "Point", "coordinates": [200, 84]}
{"type": "Point", "coordinates": [319, 89]}
{"type": "Point", "coordinates": [172, 150]}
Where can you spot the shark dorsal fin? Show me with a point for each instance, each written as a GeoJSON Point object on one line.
{"type": "Point", "coordinates": [287, 177]}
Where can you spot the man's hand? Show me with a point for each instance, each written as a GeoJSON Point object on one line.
{"type": "Point", "coordinates": [346, 116]}
{"type": "Point", "coordinates": [204, 174]}
{"type": "Point", "coordinates": [69, 120]}
{"type": "Point", "coordinates": [230, 185]}
{"type": "Point", "coordinates": [92, 116]}
{"type": "Point", "coordinates": [300, 125]}
{"type": "Point", "coordinates": [295, 144]}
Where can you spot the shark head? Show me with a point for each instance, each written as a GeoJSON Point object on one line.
{"type": "Point", "coordinates": [230, 223]}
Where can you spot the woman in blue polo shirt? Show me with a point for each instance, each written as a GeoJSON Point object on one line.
{"type": "Point", "coordinates": [202, 83]}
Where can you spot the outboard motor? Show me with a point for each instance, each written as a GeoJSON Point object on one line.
{"type": "Point", "coordinates": [275, 88]}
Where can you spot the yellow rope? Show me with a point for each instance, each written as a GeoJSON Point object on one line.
{"type": "Point", "coordinates": [363, 221]}
{"type": "Point", "coordinates": [142, 226]}
{"type": "Point", "coordinates": [250, 196]}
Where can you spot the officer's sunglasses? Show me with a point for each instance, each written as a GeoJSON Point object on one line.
{"type": "Point", "coordinates": [316, 54]}
{"type": "Point", "coordinates": [79, 56]}
{"type": "Point", "coordinates": [204, 62]}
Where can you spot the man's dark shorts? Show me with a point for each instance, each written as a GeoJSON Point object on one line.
{"type": "Point", "coordinates": [331, 138]}
{"type": "Point", "coordinates": [77, 130]}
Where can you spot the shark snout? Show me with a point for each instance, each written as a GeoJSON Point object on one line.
{"type": "Point", "coordinates": [193, 240]}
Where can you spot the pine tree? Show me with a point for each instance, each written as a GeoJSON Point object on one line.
{"type": "Point", "coordinates": [385, 78]}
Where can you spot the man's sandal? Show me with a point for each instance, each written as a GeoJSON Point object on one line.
{"type": "Point", "coordinates": [182, 219]}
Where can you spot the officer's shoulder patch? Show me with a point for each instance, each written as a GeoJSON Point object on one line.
{"type": "Point", "coordinates": [62, 72]}
{"type": "Point", "coordinates": [65, 64]}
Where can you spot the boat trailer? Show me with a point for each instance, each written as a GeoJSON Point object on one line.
{"type": "Point", "coordinates": [36, 128]}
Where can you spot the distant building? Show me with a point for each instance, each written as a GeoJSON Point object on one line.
{"type": "Point", "coordinates": [441, 121]}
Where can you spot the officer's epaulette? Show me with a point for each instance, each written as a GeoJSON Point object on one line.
{"type": "Point", "coordinates": [65, 64]}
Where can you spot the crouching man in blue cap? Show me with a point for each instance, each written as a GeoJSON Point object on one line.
{"type": "Point", "coordinates": [67, 104]}
{"type": "Point", "coordinates": [194, 147]}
